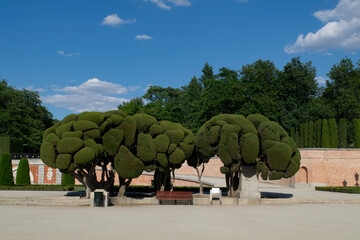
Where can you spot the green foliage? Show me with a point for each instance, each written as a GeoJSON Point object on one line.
{"type": "Point", "coordinates": [11, 145]}
{"type": "Point", "coordinates": [311, 134]}
{"type": "Point", "coordinates": [135, 105]}
{"type": "Point", "coordinates": [333, 133]}
{"type": "Point", "coordinates": [342, 133]}
{"type": "Point", "coordinates": [355, 190]}
{"type": "Point", "coordinates": [357, 133]}
{"type": "Point", "coordinates": [341, 92]}
{"type": "Point", "coordinates": [146, 148]}
{"type": "Point", "coordinates": [306, 135]}
{"type": "Point", "coordinates": [302, 135]}
{"type": "Point", "coordinates": [6, 176]}
{"type": "Point", "coordinates": [318, 133]}
{"type": "Point", "coordinates": [38, 188]}
{"type": "Point", "coordinates": [67, 180]}
{"type": "Point", "coordinates": [22, 116]}
{"type": "Point", "coordinates": [23, 173]}
{"type": "Point", "coordinates": [325, 135]}
{"type": "Point", "coordinates": [127, 165]}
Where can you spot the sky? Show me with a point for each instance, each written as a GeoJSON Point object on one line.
{"type": "Point", "coordinates": [91, 55]}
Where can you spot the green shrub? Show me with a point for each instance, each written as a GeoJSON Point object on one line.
{"type": "Point", "coordinates": [23, 173]}
{"type": "Point", "coordinates": [325, 135]}
{"type": "Point", "coordinates": [318, 133]}
{"type": "Point", "coordinates": [38, 188]}
{"type": "Point", "coordinates": [357, 133]}
{"type": "Point", "coordinates": [6, 176]}
{"type": "Point", "coordinates": [311, 134]}
{"type": "Point", "coordinates": [306, 135]}
{"type": "Point", "coordinates": [354, 190]}
{"type": "Point", "coordinates": [342, 133]}
{"type": "Point", "coordinates": [302, 135]}
{"type": "Point", "coordinates": [333, 133]}
{"type": "Point", "coordinates": [67, 180]}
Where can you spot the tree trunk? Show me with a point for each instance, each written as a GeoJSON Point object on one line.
{"type": "Point", "coordinates": [201, 190]}
{"type": "Point", "coordinates": [123, 185]}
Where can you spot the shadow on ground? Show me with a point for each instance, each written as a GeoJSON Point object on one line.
{"type": "Point", "coordinates": [275, 195]}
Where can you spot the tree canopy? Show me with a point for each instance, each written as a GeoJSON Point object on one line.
{"type": "Point", "coordinates": [23, 116]}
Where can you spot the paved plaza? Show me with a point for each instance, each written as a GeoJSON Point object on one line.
{"type": "Point", "coordinates": [302, 221]}
{"type": "Point", "coordinates": [271, 221]}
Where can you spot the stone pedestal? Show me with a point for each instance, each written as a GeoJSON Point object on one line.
{"type": "Point", "coordinates": [105, 199]}
{"type": "Point", "coordinates": [249, 183]}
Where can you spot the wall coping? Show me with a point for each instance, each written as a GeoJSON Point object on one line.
{"type": "Point", "coordinates": [329, 149]}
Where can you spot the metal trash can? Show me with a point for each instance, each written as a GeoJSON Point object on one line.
{"type": "Point", "coordinates": [98, 199]}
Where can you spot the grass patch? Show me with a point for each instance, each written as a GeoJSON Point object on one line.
{"type": "Point", "coordinates": [353, 190]}
{"type": "Point", "coordinates": [38, 188]}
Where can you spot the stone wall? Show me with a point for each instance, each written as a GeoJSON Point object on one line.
{"type": "Point", "coordinates": [324, 167]}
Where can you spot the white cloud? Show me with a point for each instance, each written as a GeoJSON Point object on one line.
{"type": "Point", "coordinates": [165, 4]}
{"type": "Point", "coordinates": [143, 37]}
{"type": "Point", "coordinates": [67, 54]}
{"type": "Point", "coordinates": [321, 80]}
{"type": "Point", "coordinates": [114, 20]}
{"type": "Point", "coordinates": [342, 30]}
{"type": "Point", "coordinates": [92, 95]}
{"type": "Point", "coordinates": [82, 103]}
{"type": "Point", "coordinates": [31, 88]}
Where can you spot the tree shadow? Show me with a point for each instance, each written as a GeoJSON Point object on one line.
{"type": "Point", "coordinates": [275, 195]}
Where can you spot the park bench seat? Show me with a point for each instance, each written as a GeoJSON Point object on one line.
{"type": "Point", "coordinates": [174, 197]}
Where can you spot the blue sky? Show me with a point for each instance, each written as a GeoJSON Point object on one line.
{"type": "Point", "coordinates": [90, 55]}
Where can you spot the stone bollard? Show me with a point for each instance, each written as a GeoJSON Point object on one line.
{"type": "Point", "coordinates": [99, 198]}
{"type": "Point", "coordinates": [249, 183]}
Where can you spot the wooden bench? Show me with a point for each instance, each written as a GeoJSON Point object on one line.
{"type": "Point", "coordinates": [174, 197]}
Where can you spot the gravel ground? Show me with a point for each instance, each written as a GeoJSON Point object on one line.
{"type": "Point", "coordinates": [325, 221]}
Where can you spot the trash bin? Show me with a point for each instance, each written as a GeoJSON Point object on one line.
{"type": "Point", "coordinates": [98, 199]}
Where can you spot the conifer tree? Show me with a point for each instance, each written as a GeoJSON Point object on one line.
{"type": "Point", "coordinates": [311, 134]}
{"type": "Point", "coordinates": [325, 136]}
{"type": "Point", "coordinates": [23, 173]}
{"type": "Point", "coordinates": [342, 133]}
{"type": "Point", "coordinates": [318, 133]}
{"type": "Point", "coordinates": [6, 176]}
{"type": "Point", "coordinates": [357, 133]}
{"type": "Point", "coordinates": [306, 135]}
{"type": "Point", "coordinates": [302, 135]}
{"type": "Point", "coordinates": [333, 133]}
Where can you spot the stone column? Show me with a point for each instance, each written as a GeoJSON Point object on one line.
{"type": "Point", "coordinates": [249, 183]}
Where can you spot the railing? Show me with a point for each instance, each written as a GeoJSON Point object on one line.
{"type": "Point", "coordinates": [24, 155]}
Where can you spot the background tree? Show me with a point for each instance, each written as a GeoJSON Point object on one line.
{"type": "Point", "coordinates": [6, 176]}
{"type": "Point", "coordinates": [325, 135]}
{"type": "Point", "coordinates": [164, 103]}
{"type": "Point", "coordinates": [298, 89]}
{"type": "Point", "coordinates": [23, 173]}
{"type": "Point", "coordinates": [342, 89]}
{"type": "Point", "coordinates": [135, 105]}
{"type": "Point", "coordinates": [342, 133]}
{"type": "Point", "coordinates": [23, 116]}
{"type": "Point", "coordinates": [261, 89]}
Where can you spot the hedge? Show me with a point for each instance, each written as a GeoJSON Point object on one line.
{"type": "Point", "coordinates": [354, 190]}
{"type": "Point", "coordinates": [38, 188]}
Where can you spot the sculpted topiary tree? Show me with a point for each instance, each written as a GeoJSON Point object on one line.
{"type": "Point", "coordinates": [234, 139]}
{"type": "Point", "coordinates": [141, 143]}
{"type": "Point", "coordinates": [253, 141]}
{"type": "Point", "coordinates": [75, 146]}
{"type": "Point", "coordinates": [279, 156]}
{"type": "Point", "coordinates": [23, 174]}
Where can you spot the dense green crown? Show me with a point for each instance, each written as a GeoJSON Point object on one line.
{"type": "Point", "coordinates": [23, 173]}
{"type": "Point", "coordinates": [77, 140]}
{"type": "Point", "coordinates": [254, 140]}
{"type": "Point", "coordinates": [6, 176]}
